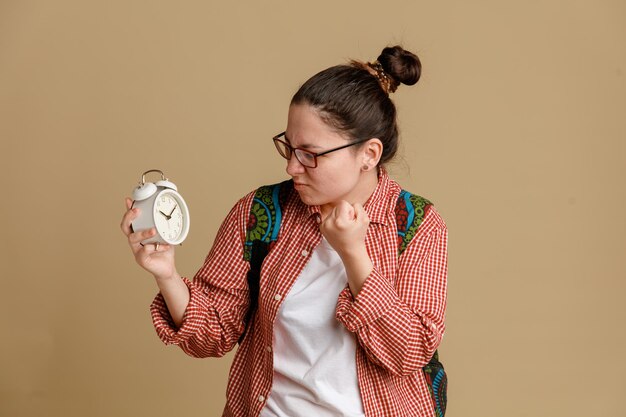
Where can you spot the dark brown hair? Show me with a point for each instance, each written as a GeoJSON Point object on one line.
{"type": "Point", "coordinates": [351, 99]}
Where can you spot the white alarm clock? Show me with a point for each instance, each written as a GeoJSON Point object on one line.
{"type": "Point", "coordinates": [160, 207]}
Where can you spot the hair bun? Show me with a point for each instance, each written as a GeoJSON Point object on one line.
{"type": "Point", "coordinates": [403, 66]}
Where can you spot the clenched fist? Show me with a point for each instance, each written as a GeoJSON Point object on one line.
{"type": "Point", "coordinates": [345, 228]}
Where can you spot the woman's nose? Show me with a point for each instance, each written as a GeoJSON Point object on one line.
{"type": "Point", "coordinates": [294, 166]}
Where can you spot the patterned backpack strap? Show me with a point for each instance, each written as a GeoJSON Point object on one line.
{"type": "Point", "coordinates": [265, 217]}
{"type": "Point", "coordinates": [261, 233]}
{"type": "Point", "coordinates": [410, 211]}
{"type": "Point", "coordinates": [437, 382]}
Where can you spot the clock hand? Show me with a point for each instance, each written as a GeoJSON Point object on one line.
{"type": "Point", "coordinates": [173, 210]}
{"type": "Point", "coordinates": [166, 216]}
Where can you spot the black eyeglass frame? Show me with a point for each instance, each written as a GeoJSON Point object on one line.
{"type": "Point", "coordinates": [293, 150]}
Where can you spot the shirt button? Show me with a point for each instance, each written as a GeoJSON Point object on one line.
{"type": "Point", "coordinates": [268, 348]}
{"type": "Point", "coordinates": [277, 297]}
{"type": "Point", "coordinates": [261, 398]}
{"type": "Point", "coordinates": [305, 252]}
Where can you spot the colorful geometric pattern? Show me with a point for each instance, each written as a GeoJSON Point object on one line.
{"type": "Point", "coordinates": [265, 217]}
{"type": "Point", "coordinates": [410, 209]}
{"type": "Point", "coordinates": [437, 382]}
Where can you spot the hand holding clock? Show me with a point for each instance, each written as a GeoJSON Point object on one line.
{"type": "Point", "coordinates": [153, 241]}
{"type": "Point", "coordinates": [158, 261]}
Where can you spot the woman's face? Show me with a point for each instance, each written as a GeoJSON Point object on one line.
{"type": "Point", "coordinates": [338, 175]}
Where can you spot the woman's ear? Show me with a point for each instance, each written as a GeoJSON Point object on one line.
{"type": "Point", "coordinates": [372, 151]}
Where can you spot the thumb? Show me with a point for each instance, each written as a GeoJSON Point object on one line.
{"type": "Point", "coordinates": [360, 214]}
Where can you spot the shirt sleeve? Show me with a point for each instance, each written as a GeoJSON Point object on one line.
{"type": "Point", "coordinates": [400, 323]}
{"type": "Point", "coordinates": [219, 300]}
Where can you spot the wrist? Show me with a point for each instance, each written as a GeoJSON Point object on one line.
{"type": "Point", "coordinates": [354, 253]}
{"type": "Point", "coordinates": [167, 278]}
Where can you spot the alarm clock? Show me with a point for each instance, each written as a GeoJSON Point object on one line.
{"type": "Point", "coordinates": [161, 207]}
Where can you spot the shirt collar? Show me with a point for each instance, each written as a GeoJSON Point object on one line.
{"type": "Point", "coordinates": [376, 205]}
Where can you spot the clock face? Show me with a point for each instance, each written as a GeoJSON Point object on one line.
{"type": "Point", "coordinates": [169, 216]}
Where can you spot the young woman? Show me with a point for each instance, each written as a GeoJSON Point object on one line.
{"type": "Point", "coordinates": [344, 325]}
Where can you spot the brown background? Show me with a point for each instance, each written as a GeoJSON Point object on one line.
{"type": "Point", "coordinates": [516, 131]}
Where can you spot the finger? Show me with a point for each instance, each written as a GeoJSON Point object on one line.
{"type": "Point", "coordinates": [360, 214]}
{"type": "Point", "coordinates": [333, 220]}
{"type": "Point", "coordinates": [141, 235]}
{"type": "Point", "coordinates": [127, 219]}
{"type": "Point", "coordinates": [344, 212]}
{"type": "Point", "coordinates": [325, 222]}
{"type": "Point", "coordinates": [160, 247]}
{"type": "Point", "coordinates": [129, 203]}
{"type": "Point", "coordinates": [345, 216]}
{"type": "Point", "coordinates": [135, 239]}
{"type": "Point", "coordinates": [150, 249]}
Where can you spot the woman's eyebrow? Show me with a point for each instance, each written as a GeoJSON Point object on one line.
{"type": "Point", "coordinates": [304, 145]}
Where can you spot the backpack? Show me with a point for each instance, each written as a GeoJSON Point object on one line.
{"type": "Point", "coordinates": [262, 231]}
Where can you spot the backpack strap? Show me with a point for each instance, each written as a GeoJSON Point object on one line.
{"type": "Point", "coordinates": [265, 217]}
{"type": "Point", "coordinates": [261, 233]}
{"type": "Point", "coordinates": [410, 211]}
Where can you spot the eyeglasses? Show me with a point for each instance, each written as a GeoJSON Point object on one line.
{"type": "Point", "coordinates": [306, 158]}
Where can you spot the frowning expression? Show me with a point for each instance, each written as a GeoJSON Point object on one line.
{"type": "Point", "coordinates": [337, 175]}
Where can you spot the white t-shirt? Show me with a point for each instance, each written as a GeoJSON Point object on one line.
{"type": "Point", "coordinates": [314, 355]}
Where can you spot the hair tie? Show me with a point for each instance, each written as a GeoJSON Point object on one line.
{"type": "Point", "coordinates": [388, 83]}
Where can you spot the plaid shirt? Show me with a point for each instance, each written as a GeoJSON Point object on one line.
{"type": "Point", "coordinates": [397, 318]}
